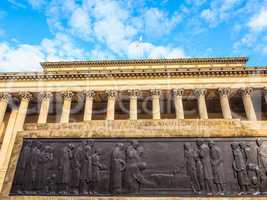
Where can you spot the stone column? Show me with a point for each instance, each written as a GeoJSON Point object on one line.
{"type": "Point", "coordinates": [248, 105]}
{"type": "Point", "coordinates": [112, 94]}
{"type": "Point", "coordinates": [65, 116]}
{"type": "Point", "coordinates": [202, 108]}
{"type": "Point", "coordinates": [8, 139]}
{"type": "Point", "coordinates": [133, 103]}
{"type": "Point", "coordinates": [23, 107]}
{"type": "Point", "coordinates": [44, 109]}
{"type": "Point", "coordinates": [88, 108]}
{"type": "Point", "coordinates": [155, 103]}
{"type": "Point", "coordinates": [265, 94]}
{"type": "Point", "coordinates": [4, 98]}
{"type": "Point", "coordinates": [15, 124]}
{"type": "Point", "coordinates": [226, 111]}
{"type": "Point", "coordinates": [178, 101]}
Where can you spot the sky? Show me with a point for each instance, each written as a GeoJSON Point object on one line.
{"type": "Point", "coordinates": [32, 31]}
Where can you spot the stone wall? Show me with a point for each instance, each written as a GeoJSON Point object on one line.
{"type": "Point", "coordinates": [127, 128]}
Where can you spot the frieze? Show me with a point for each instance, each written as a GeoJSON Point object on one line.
{"type": "Point", "coordinates": [142, 167]}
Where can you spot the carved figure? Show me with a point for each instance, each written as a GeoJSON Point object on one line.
{"type": "Point", "coordinates": [134, 168]}
{"type": "Point", "coordinates": [49, 170]}
{"type": "Point", "coordinates": [97, 167]}
{"type": "Point", "coordinates": [77, 166]}
{"type": "Point", "coordinates": [23, 168]}
{"type": "Point", "coordinates": [217, 167]}
{"type": "Point", "coordinates": [204, 153]}
{"type": "Point", "coordinates": [86, 169]}
{"type": "Point", "coordinates": [262, 155]}
{"type": "Point", "coordinates": [117, 167]}
{"type": "Point", "coordinates": [190, 166]}
{"type": "Point", "coordinates": [66, 167]}
{"type": "Point", "coordinates": [35, 166]}
{"type": "Point", "coordinates": [199, 166]}
{"type": "Point", "coordinates": [239, 166]}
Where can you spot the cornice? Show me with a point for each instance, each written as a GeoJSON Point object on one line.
{"type": "Point", "coordinates": [181, 61]}
{"type": "Point", "coordinates": [196, 72]}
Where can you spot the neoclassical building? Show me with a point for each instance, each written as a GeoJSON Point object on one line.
{"type": "Point", "coordinates": [154, 98]}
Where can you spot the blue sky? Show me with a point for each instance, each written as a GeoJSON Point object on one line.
{"type": "Point", "coordinates": [51, 30]}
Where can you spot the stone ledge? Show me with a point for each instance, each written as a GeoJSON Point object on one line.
{"type": "Point", "coordinates": [130, 198]}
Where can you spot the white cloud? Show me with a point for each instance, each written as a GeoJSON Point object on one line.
{"type": "Point", "coordinates": [157, 23]}
{"type": "Point", "coordinates": [208, 15]}
{"type": "Point", "coordinates": [147, 50]}
{"type": "Point", "coordinates": [113, 26]}
{"type": "Point", "coordinates": [80, 23]}
{"type": "Point", "coordinates": [62, 47]}
{"type": "Point", "coordinates": [220, 10]}
{"type": "Point", "coordinates": [16, 4]}
{"type": "Point", "coordinates": [259, 21]}
{"type": "Point", "coordinates": [21, 58]}
{"type": "Point", "coordinates": [36, 3]}
{"type": "Point", "coordinates": [110, 24]}
{"type": "Point", "coordinates": [26, 57]}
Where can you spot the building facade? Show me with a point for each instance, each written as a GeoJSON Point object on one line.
{"type": "Point", "coordinates": [207, 99]}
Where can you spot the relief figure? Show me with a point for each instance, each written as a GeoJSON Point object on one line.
{"type": "Point", "coordinates": [261, 162]}
{"type": "Point", "coordinates": [134, 167]}
{"type": "Point", "coordinates": [97, 166]}
{"type": "Point", "coordinates": [239, 166]}
{"type": "Point", "coordinates": [217, 167]}
{"type": "Point", "coordinates": [65, 166]}
{"type": "Point", "coordinates": [116, 169]}
{"type": "Point", "coordinates": [204, 153]}
{"type": "Point", "coordinates": [49, 173]}
{"type": "Point", "coordinates": [86, 169]}
{"type": "Point", "coordinates": [23, 167]}
{"type": "Point", "coordinates": [36, 167]}
{"type": "Point", "coordinates": [190, 166]}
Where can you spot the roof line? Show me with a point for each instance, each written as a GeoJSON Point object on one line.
{"type": "Point", "coordinates": [147, 61]}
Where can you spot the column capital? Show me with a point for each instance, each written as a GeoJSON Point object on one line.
{"type": "Point", "coordinates": [67, 95]}
{"type": "Point", "coordinates": [155, 92]}
{"type": "Point", "coordinates": [224, 91]}
{"type": "Point", "coordinates": [245, 91]}
{"type": "Point", "coordinates": [199, 92]}
{"type": "Point", "coordinates": [25, 96]}
{"type": "Point", "coordinates": [45, 95]}
{"type": "Point", "coordinates": [4, 96]}
{"type": "Point", "coordinates": [178, 92]}
{"type": "Point", "coordinates": [89, 93]}
{"type": "Point", "coordinates": [111, 93]}
{"type": "Point", "coordinates": [134, 93]}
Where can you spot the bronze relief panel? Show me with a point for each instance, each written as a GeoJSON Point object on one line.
{"type": "Point", "coordinates": [142, 167]}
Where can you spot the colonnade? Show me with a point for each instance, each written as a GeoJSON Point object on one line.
{"type": "Point", "coordinates": [67, 97]}
{"type": "Point", "coordinates": [18, 115]}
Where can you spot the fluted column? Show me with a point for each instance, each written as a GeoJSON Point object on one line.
{"type": "Point", "coordinates": [44, 109]}
{"type": "Point", "coordinates": [7, 140]}
{"type": "Point", "coordinates": [133, 103]}
{"type": "Point", "coordinates": [112, 94]}
{"type": "Point", "coordinates": [23, 107]}
{"type": "Point", "coordinates": [265, 94]}
{"type": "Point", "coordinates": [4, 97]}
{"type": "Point", "coordinates": [202, 108]}
{"type": "Point", "coordinates": [88, 108]}
{"type": "Point", "coordinates": [15, 124]}
{"type": "Point", "coordinates": [226, 111]}
{"type": "Point", "coordinates": [178, 101]}
{"type": "Point", "coordinates": [248, 105]}
{"type": "Point", "coordinates": [65, 115]}
{"type": "Point", "coordinates": [155, 103]}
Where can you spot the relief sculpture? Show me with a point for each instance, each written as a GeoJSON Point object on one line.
{"type": "Point", "coordinates": [142, 167]}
